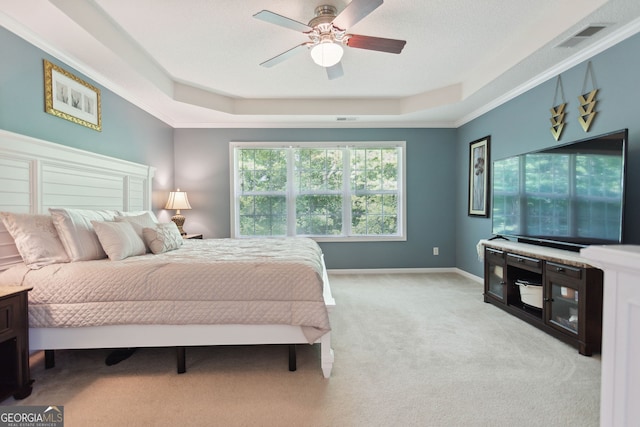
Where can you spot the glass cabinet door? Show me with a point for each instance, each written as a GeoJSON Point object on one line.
{"type": "Point", "coordinates": [495, 282]}
{"type": "Point", "coordinates": [563, 312]}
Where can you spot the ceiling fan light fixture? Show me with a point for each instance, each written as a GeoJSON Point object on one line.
{"type": "Point", "coordinates": [326, 53]}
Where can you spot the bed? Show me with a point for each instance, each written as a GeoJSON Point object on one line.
{"type": "Point", "coordinates": [36, 176]}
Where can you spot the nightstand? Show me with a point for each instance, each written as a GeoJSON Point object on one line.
{"type": "Point", "coordinates": [192, 236]}
{"type": "Point", "coordinates": [15, 377]}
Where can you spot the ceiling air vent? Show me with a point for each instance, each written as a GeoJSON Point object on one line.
{"type": "Point", "coordinates": [582, 35]}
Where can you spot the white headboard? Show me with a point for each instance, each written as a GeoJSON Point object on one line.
{"type": "Point", "coordinates": [36, 175]}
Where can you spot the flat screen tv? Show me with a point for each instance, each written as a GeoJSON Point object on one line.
{"type": "Point", "coordinates": [567, 196]}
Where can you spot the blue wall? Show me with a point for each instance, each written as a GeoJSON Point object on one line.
{"type": "Point", "coordinates": [127, 132]}
{"type": "Point", "coordinates": [437, 159]}
{"type": "Point", "coordinates": [523, 125]}
{"type": "Point", "coordinates": [202, 168]}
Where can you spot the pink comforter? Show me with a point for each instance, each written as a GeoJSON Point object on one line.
{"type": "Point", "coordinates": [214, 281]}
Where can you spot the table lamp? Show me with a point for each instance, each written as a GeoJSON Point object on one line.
{"type": "Point", "coordinates": [178, 200]}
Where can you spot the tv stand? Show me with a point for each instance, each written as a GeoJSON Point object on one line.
{"type": "Point", "coordinates": [568, 302]}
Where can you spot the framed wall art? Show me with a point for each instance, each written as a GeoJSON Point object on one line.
{"type": "Point", "coordinates": [71, 98]}
{"type": "Point", "coordinates": [479, 177]}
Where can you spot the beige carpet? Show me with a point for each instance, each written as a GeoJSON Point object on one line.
{"type": "Point", "coordinates": [411, 350]}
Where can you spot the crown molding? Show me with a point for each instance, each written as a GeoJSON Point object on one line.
{"type": "Point", "coordinates": [596, 48]}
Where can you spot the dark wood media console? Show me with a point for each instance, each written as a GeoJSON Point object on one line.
{"type": "Point", "coordinates": [569, 305]}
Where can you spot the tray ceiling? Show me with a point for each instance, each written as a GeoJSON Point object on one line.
{"type": "Point", "coordinates": [196, 63]}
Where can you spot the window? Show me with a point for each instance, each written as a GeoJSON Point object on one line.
{"type": "Point", "coordinates": [327, 191]}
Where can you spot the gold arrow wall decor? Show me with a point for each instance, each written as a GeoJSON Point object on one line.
{"type": "Point", "coordinates": [587, 109]}
{"type": "Point", "coordinates": [587, 106]}
{"type": "Point", "coordinates": [557, 120]}
{"type": "Point", "coordinates": [557, 111]}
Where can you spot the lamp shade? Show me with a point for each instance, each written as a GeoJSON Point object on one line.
{"type": "Point", "coordinates": [178, 200]}
{"type": "Point", "coordinates": [326, 53]}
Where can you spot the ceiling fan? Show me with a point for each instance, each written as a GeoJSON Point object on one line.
{"type": "Point", "coordinates": [327, 32]}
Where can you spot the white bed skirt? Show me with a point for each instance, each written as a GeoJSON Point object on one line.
{"type": "Point", "coordinates": [122, 336]}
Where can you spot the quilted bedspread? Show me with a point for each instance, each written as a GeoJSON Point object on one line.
{"type": "Point", "coordinates": [213, 281]}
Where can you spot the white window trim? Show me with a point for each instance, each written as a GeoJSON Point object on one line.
{"type": "Point", "coordinates": [233, 145]}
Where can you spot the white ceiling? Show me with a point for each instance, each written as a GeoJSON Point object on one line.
{"type": "Point", "coordinates": [195, 63]}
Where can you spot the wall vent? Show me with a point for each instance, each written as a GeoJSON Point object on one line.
{"type": "Point", "coordinates": [582, 35]}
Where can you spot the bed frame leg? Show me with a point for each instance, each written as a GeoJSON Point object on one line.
{"type": "Point", "coordinates": [292, 358]}
{"type": "Point", "coordinates": [326, 354]}
{"type": "Point", "coordinates": [49, 359]}
{"type": "Point", "coordinates": [181, 353]}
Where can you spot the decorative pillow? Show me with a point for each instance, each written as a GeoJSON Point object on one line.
{"type": "Point", "coordinates": [119, 239]}
{"type": "Point", "coordinates": [164, 237]}
{"type": "Point", "coordinates": [139, 222]}
{"type": "Point", "coordinates": [36, 239]}
{"type": "Point", "coordinates": [77, 234]}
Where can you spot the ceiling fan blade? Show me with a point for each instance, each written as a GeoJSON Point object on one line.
{"type": "Point", "coordinates": [376, 43]}
{"type": "Point", "coordinates": [335, 71]}
{"type": "Point", "coordinates": [354, 12]}
{"type": "Point", "coordinates": [284, 55]}
{"type": "Point", "coordinates": [283, 21]}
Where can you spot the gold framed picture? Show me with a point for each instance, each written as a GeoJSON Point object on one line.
{"type": "Point", "coordinates": [71, 98]}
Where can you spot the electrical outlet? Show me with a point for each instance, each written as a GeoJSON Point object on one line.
{"type": "Point", "coordinates": [436, 250]}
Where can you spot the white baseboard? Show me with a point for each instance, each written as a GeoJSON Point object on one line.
{"type": "Point", "coordinates": [470, 276]}
{"type": "Point", "coordinates": [405, 271]}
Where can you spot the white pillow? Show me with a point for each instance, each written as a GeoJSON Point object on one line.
{"type": "Point", "coordinates": [164, 237]}
{"type": "Point", "coordinates": [36, 239]}
{"type": "Point", "coordinates": [119, 239]}
{"type": "Point", "coordinates": [138, 213]}
{"type": "Point", "coordinates": [139, 222]}
{"type": "Point", "coordinates": [77, 234]}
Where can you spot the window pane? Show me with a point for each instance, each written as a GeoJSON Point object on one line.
{"type": "Point", "coordinates": [319, 215]}
{"type": "Point", "coordinates": [318, 169]}
{"type": "Point", "coordinates": [390, 205]}
{"type": "Point", "coordinates": [263, 170]}
{"type": "Point", "coordinates": [263, 216]}
{"type": "Point", "coordinates": [374, 169]}
{"type": "Point", "coordinates": [374, 215]}
{"type": "Point", "coordinates": [390, 169]}
{"type": "Point", "coordinates": [358, 169]}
